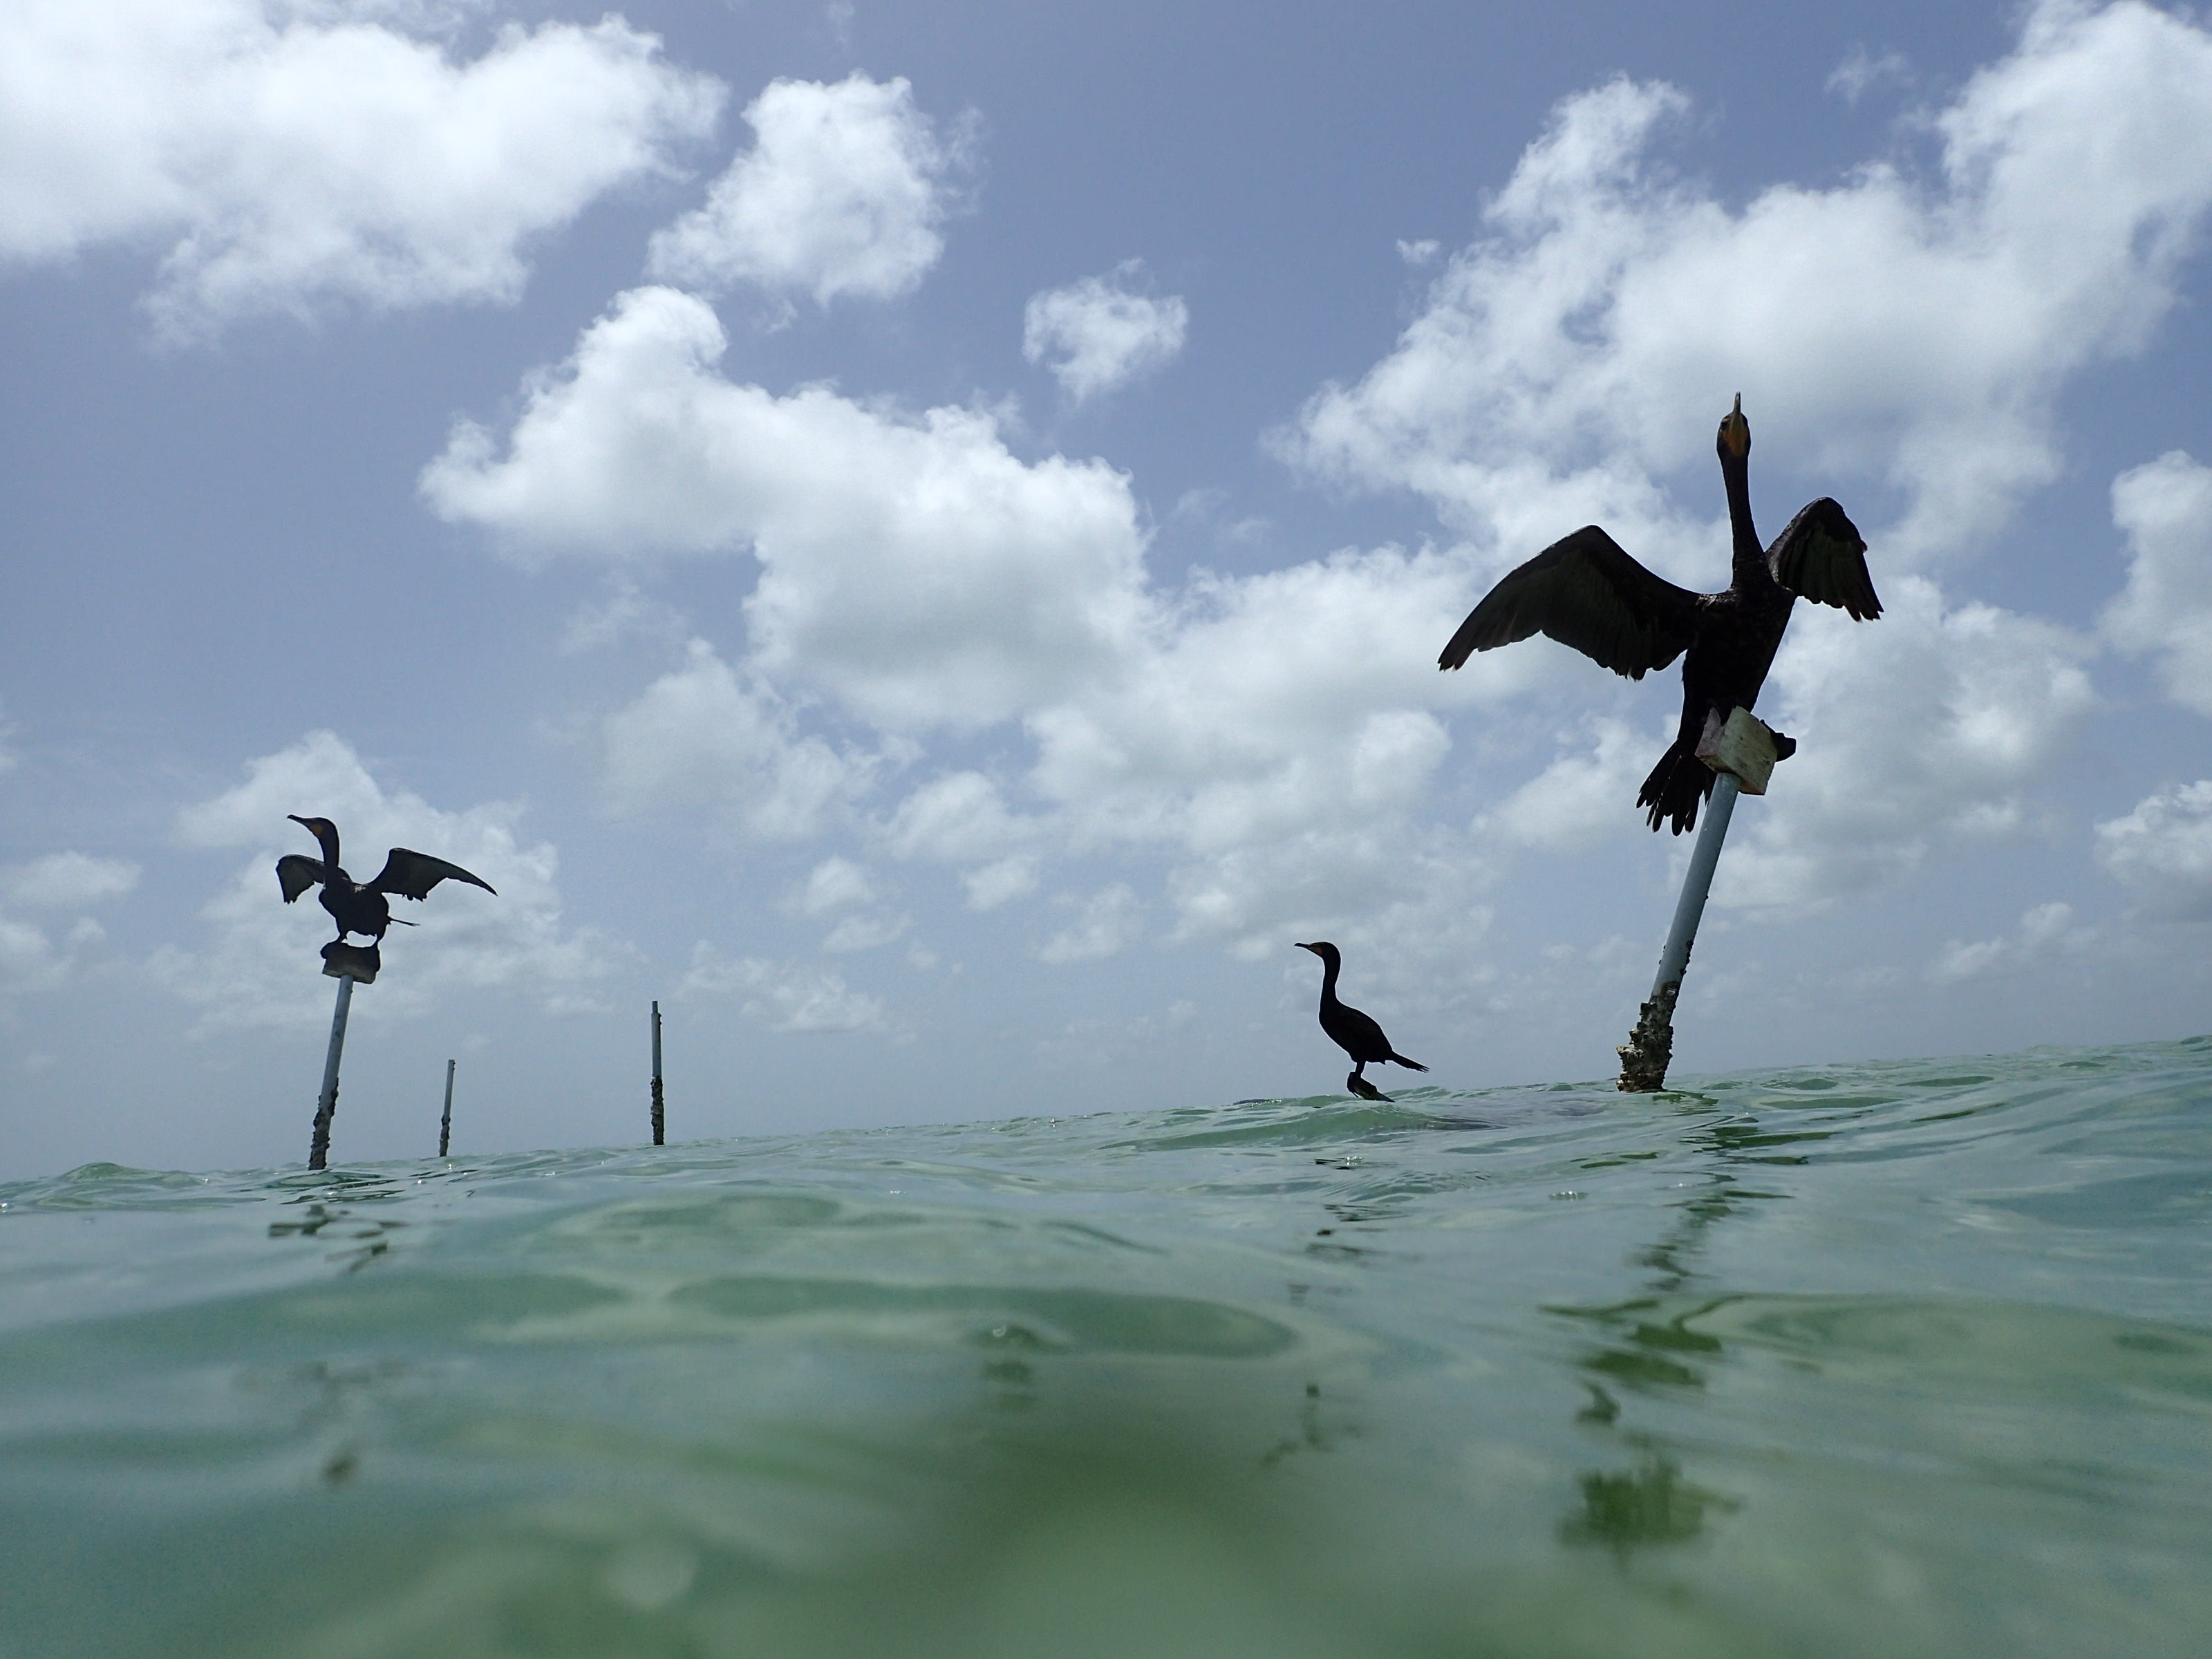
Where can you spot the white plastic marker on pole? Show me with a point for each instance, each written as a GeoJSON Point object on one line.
{"type": "Point", "coordinates": [319, 1149]}
{"type": "Point", "coordinates": [1742, 750]}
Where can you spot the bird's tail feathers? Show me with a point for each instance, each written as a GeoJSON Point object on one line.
{"type": "Point", "coordinates": [1410, 1065]}
{"type": "Point", "coordinates": [1675, 786]}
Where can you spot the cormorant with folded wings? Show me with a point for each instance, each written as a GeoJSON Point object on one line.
{"type": "Point", "coordinates": [1354, 1032]}
{"type": "Point", "coordinates": [362, 908]}
{"type": "Point", "coordinates": [1585, 592]}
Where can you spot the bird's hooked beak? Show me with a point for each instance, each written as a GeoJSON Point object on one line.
{"type": "Point", "coordinates": [1308, 947]}
{"type": "Point", "coordinates": [1736, 431]}
{"type": "Point", "coordinates": [324, 832]}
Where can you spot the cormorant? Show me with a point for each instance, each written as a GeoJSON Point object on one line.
{"type": "Point", "coordinates": [359, 909]}
{"type": "Point", "coordinates": [1584, 590]}
{"type": "Point", "coordinates": [1352, 1030]}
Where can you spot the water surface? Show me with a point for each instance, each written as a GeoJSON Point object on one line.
{"type": "Point", "coordinates": [1886, 1359]}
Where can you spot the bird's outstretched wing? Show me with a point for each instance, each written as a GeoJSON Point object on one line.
{"type": "Point", "coordinates": [1584, 590]}
{"type": "Point", "coordinates": [296, 873]}
{"type": "Point", "coordinates": [1822, 557]}
{"type": "Point", "coordinates": [413, 874]}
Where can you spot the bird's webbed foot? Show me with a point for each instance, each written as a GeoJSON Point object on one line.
{"type": "Point", "coordinates": [1784, 747]}
{"type": "Point", "coordinates": [1360, 1086]}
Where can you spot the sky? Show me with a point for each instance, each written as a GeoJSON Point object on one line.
{"type": "Point", "coordinates": [919, 538]}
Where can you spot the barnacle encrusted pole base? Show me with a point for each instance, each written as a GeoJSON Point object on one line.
{"type": "Point", "coordinates": [1742, 750]}
{"type": "Point", "coordinates": [1644, 1057]}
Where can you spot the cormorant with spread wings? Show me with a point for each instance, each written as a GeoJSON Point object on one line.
{"type": "Point", "coordinates": [1585, 592]}
{"type": "Point", "coordinates": [359, 907]}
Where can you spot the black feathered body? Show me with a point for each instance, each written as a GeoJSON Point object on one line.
{"type": "Point", "coordinates": [1584, 590]}
{"type": "Point", "coordinates": [1736, 634]}
{"type": "Point", "coordinates": [1354, 1032]}
{"type": "Point", "coordinates": [355, 907]}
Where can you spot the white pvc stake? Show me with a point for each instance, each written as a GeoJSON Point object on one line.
{"type": "Point", "coordinates": [1650, 1046]}
{"type": "Point", "coordinates": [319, 1149]}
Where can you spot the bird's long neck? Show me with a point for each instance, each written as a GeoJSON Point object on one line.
{"type": "Point", "coordinates": [1749, 558]}
{"type": "Point", "coordinates": [1328, 972]}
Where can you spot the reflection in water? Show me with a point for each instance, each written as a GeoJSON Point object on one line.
{"type": "Point", "coordinates": [369, 1239]}
{"type": "Point", "coordinates": [1603, 1408]}
{"type": "Point", "coordinates": [1730, 1142]}
{"type": "Point", "coordinates": [1652, 1504]}
{"type": "Point", "coordinates": [1311, 1435]}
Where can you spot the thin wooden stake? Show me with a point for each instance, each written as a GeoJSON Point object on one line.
{"type": "Point", "coordinates": [659, 1117]}
{"type": "Point", "coordinates": [326, 1107]}
{"type": "Point", "coordinates": [446, 1123]}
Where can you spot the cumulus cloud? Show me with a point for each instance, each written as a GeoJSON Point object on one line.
{"type": "Point", "coordinates": [33, 959]}
{"type": "Point", "coordinates": [912, 566]}
{"type": "Point", "coordinates": [1279, 739]}
{"type": "Point", "coordinates": [283, 162]}
{"type": "Point", "coordinates": [63, 879]}
{"type": "Point", "coordinates": [625, 614]}
{"type": "Point", "coordinates": [1413, 892]}
{"type": "Point", "coordinates": [702, 736]}
{"type": "Point", "coordinates": [2042, 929]}
{"type": "Point", "coordinates": [1579, 796]}
{"type": "Point", "coordinates": [1929, 725]}
{"type": "Point", "coordinates": [918, 574]}
{"type": "Point", "coordinates": [1106, 923]}
{"type": "Point", "coordinates": [2163, 849]}
{"type": "Point", "coordinates": [784, 996]}
{"type": "Point", "coordinates": [1913, 332]}
{"type": "Point", "coordinates": [2165, 508]}
{"type": "Point", "coordinates": [1278, 704]}
{"type": "Point", "coordinates": [961, 818]}
{"type": "Point", "coordinates": [1862, 71]}
{"type": "Point", "coordinates": [257, 963]}
{"type": "Point", "coordinates": [1002, 881]}
{"type": "Point", "coordinates": [835, 884]}
{"type": "Point", "coordinates": [865, 933]}
{"type": "Point", "coordinates": [844, 192]}
{"type": "Point", "coordinates": [957, 817]}
{"type": "Point", "coordinates": [1099, 333]}
{"type": "Point", "coordinates": [838, 884]}
{"type": "Point", "coordinates": [40, 955]}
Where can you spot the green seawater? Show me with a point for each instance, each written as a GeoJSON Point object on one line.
{"type": "Point", "coordinates": [1903, 1358]}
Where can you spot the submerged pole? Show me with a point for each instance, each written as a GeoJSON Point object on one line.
{"type": "Point", "coordinates": [660, 1118]}
{"type": "Point", "coordinates": [446, 1123]}
{"type": "Point", "coordinates": [319, 1148]}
